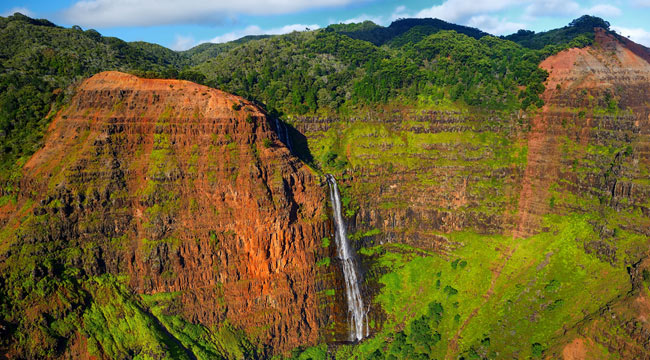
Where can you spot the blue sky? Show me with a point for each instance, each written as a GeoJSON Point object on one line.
{"type": "Point", "coordinates": [181, 24]}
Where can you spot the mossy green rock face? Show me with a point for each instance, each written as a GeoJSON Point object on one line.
{"type": "Point", "coordinates": [530, 229]}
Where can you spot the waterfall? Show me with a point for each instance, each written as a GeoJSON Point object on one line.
{"type": "Point", "coordinates": [287, 137]}
{"type": "Point", "coordinates": [357, 315]}
{"type": "Point", "coordinates": [283, 133]}
{"type": "Point", "coordinates": [278, 129]}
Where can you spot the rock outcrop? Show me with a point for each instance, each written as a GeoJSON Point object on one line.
{"type": "Point", "coordinates": [596, 100]}
{"type": "Point", "coordinates": [183, 188]}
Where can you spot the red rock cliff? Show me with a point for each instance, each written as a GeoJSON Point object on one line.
{"type": "Point", "coordinates": [595, 97]}
{"type": "Point", "coordinates": [186, 189]}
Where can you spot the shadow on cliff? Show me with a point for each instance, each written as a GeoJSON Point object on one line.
{"type": "Point", "coordinates": [300, 146]}
{"type": "Point", "coordinates": [297, 141]}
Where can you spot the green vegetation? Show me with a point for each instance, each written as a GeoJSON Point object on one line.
{"type": "Point", "coordinates": [582, 26]}
{"type": "Point", "coordinates": [50, 299]}
{"type": "Point", "coordinates": [336, 70]}
{"type": "Point", "coordinates": [39, 61]}
{"type": "Point", "coordinates": [118, 327]}
{"type": "Point", "coordinates": [323, 262]}
{"type": "Point", "coordinates": [318, 352]}
{"type": "Point", "coordinates": [378, 147]}
{"type": "Point", "coordinates": [402, 31]}
{"type": "Point", "coordinates": [325, 242]}
{"type": "Point", "coordinates": [222, 342]}
{"type": "Point", "coordinates": [326, 66]}
{"type": "Point", "coordinates": [484, 295]}
{"type": "Point", "coordinates": [332, 70]}
{"type": "Point", "coordinates": [492, 284]}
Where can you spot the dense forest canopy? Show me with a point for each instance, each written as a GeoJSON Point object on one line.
{"type": "Point", "coordinates": [335, 69]}
{"type": "Point", "coordinates": [558, 37]}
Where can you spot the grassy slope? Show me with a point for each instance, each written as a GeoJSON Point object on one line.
{"type": "Point", "coordinates": [513, 297]}
{"type": "Point", "coordinates": [514, 293]}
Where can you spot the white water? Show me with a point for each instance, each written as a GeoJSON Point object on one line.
{"type": "Point", "coordinates": [278, 129]}
{"type": "Point", "coordinates": [287, 137]}
{"type": "Point", "coordinates": [283, 133]}
{"type": "Point", "coordinates": [356, 313]}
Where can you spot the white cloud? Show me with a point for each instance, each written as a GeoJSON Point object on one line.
{"type": "Point", "coordinates": [552, 8]}
{"type": "Point", "coordinates": [182, 43]}
{"type": "Point", "coordinates": [470, 13]}
{"type": "Point", "coordinates": [256, 30]}
{"type": "Point", "coordinates": [638, 35]}
{"type": "Point", "coordinates": [107, 13]}
{"type": "Point", "coordinates": [642, 3]}
{"type": "Point", "coordinates": [603, 10]}
{"type": "Point", "coordinates": [400, 9]}
{"type": "Point", "coordinates": [462, 10]}
{"type": "Point", "coordinates": [568, 8]}
{"type": "Point", "coordinates": [399, 12]}
{"type": "Point", "coordinates": [490, 16]}
{"type": "Point", "coordinates": [494, 25]}
{"type": "Point", "coordinates": [21, 9]}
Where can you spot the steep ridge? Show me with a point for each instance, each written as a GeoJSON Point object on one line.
{"type": "Point", "coordinates": [589, 152]}
{"type": "Point", "coordinates": [596, 98]}
{"type": "Point", "coordinates": [180, 189]}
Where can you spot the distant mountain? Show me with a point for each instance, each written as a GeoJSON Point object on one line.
{"type": "Point", "coordinates": [204, 52]}
{"type": "Point", "coordinates": [583, 25]}
{"type": "Point", "coordinates": [402, 31]}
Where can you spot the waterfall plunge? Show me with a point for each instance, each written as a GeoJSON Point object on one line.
{"type": "Point", "coordinates": [357, 314]}
{"type": "Point", "coordinates": [283, 133]}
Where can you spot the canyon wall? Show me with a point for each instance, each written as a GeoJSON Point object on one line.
{"type": "Point", "coordinates": [176, 188]}
{"type": "Point", "coordinates": [419, 174]}
{"type": "Point", "coordinates": [596, 125]}
{"type": "Point", "coordinates": [179, 188]}
{"type": "Point", "coordinates": [427, 178]}
{"type": "Point", "coordinates": [591, 140]}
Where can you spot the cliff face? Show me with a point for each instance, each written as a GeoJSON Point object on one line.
{"type": "Point", "coordinates": [415, 175]}
{"type": "Point", "coordinates": [589, 152]}
{"type": "Point", "coordinates": [596, 101]}
{"type": "Point", "coordinates": [182, 189]}
{"type": "Point", "coordinates": [419, 174]}
{"type": "Point", "coordinates": [560, 194]}
{"type": "Point", "coordinates": [186, 197]}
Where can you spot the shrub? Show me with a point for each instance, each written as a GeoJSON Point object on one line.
{"type": "Point", "coordinates": [325, 242]}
